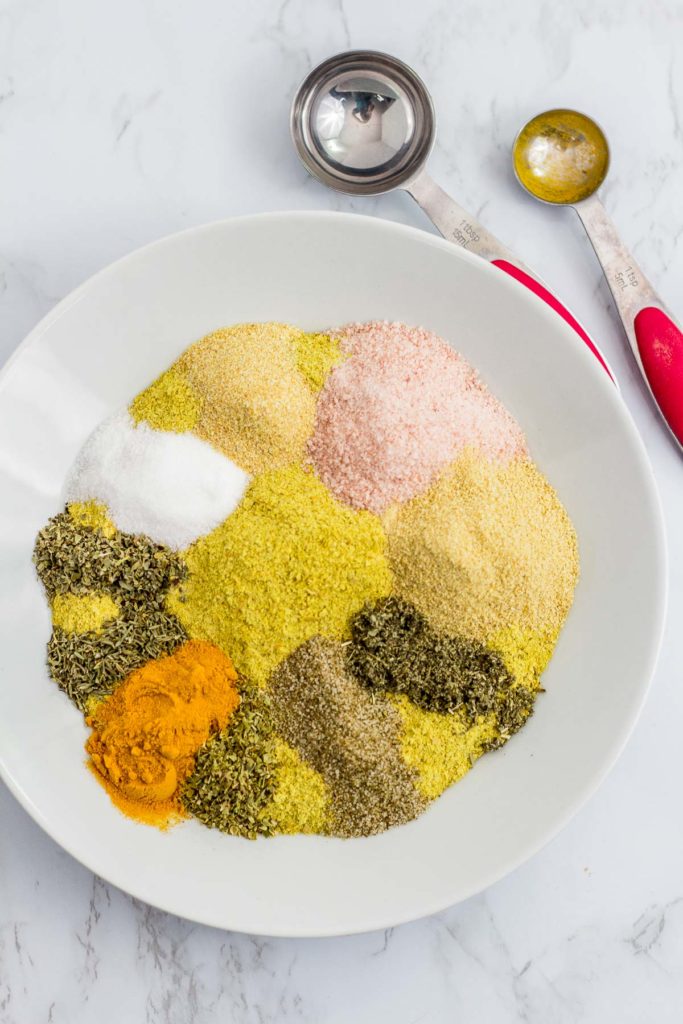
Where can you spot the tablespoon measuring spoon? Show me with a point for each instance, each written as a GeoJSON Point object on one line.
{"type": "Point", "coordinates": [363, 123]}
{"type": "Point", "coordinates": [562, 157]}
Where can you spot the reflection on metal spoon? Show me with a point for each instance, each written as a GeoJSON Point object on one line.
{"type": "Point", "coordinates": [363, 123]}
{"type": "Point", "coordinates": [562, 157]}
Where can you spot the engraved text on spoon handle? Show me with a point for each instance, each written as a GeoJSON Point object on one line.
{"type": "Point", "coordinates": [454, 222]}
{"type": "Point", "coordinates": [629, 286]}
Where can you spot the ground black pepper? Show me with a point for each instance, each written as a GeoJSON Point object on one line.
{"type": "Point", "coordinates": [351, 736]}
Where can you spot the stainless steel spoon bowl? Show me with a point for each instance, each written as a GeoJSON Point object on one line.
{"type": "Point", "coordinates": [363, 123]}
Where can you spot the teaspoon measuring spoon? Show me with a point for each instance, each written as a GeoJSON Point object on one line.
{"type": "Point", "coordinates": [363, 123]}
{"type": "Point", "coordinates": [562, 157]}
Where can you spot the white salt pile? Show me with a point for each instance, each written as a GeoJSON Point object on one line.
{"type": "Point", "coordinates": [172, 487]}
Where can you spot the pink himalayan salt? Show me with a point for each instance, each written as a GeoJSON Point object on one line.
{"type": "Point", "coordinates": [398, 411]}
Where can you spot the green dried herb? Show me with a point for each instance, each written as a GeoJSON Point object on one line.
{"type": "Point", "coordinates": [86, 665]}
{"type": "Point", "coordinates": [74, 559]}
{"type": "Point", "coordinates": [512, 710]}
{"type": "Point", "coordinates": [234, 775]}
{"type": "Point", "coordinates": [394, 649]}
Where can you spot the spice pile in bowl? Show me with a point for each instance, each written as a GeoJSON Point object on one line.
{"type": "Point", "coordinates": [303, 582]}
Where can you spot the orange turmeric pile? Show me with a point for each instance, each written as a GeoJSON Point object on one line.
{"type": "Point", "coordinates": [146, 735]}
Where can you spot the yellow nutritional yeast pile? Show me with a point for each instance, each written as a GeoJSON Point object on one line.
{"type": "Point", "coordinates": [83, 614]}
{"type": "Point", "coordinates": [316, 357]}
{"type": "Point", "coordinates": [301, 799]}
{"type": "Point", "coordinates": [343, 580]}
{"type": "Point", "coordinates": [92, 515]}
{"type": "Point", "coordinates": [170, 403]}
{"type": "Point", "coordinates": [442, 748]}
{"type": "Point", "coordinates": [289, 564]}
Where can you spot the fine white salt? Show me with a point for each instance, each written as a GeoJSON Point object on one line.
{"type": "Point", "coordinates": [172, 487]}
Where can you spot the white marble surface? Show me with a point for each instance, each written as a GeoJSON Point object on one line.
{"type": "Point", "coordinates": [123, 122]}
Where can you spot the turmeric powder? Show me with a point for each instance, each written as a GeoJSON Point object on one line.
{"type": "Point", "coordinates": [146, 735]}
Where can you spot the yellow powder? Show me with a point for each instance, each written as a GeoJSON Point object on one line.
{"type": "Point", "coordinates": [91, 513]}
{"type": "Point", "coordinates": [85, 614]}
{"type": "Point", "coordinates": [289, 564]}
{"type": "Point", "coordinates": [440, 748]}
{"type": "Point", "coordinates": [301, 799]}
{"type": "Point", "coordinates": [257, 408]}
{"type": "Point", "coordinates": [316, 357]}
{"type": "Point", "coordinates": [487, 545]}
{"type": "Point", "coordinates": [525, 653]}
{"type": "Point", "coordinates": [170, 403]}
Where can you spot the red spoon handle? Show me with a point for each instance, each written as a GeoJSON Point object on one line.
{"type": "Point", "coordinates": [538, 289]}
{"type": "Point", "coordinates": [660, 345]}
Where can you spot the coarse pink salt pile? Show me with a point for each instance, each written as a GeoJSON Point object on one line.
{"type": "Point", "coordinates": [396, 412]}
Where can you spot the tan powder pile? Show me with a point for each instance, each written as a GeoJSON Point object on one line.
{"type": "Point", "coordinates": [257, 407]}
{"type": "Point", "coordinates": [351, 737]}
{"type": "Point", "coordinates": [488, 545]}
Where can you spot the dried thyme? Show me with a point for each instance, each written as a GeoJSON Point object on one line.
{"type": "Point", "coordinates": [89, 665]}
{"type": "Point", "coordinates": [234, 776]}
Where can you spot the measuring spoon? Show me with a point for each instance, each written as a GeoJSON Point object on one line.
{"type": "Point", "coordinates": [363, 123]}
{"type": "Point", "coordinates": [562, 157]}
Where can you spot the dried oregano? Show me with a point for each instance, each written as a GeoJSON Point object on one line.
{"type": "Point", "coordinates": [74, 559]}
{"type": "Point", "coordinates": [394, 649]}
{"type": "Point", "coordinates": [234, 775]}
{"type": "Point", "coordinates": [89, 665]}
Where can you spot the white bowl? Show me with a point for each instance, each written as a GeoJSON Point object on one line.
{"type": "Point", "coordinates": [118, 331]}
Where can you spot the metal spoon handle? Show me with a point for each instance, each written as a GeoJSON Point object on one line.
{"type": "Point", "coordinates": [458, 226]}
{"type": "Point", "coordinates": [655, 339]}
{"type": "Point", "coordinates": [453, 222]}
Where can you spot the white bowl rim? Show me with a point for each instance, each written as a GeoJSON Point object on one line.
{"type": "Point", "coordinates": [618, 742]}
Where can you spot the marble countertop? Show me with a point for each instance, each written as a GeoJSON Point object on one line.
{"type": "Point", "coordinates": [123, 122]}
